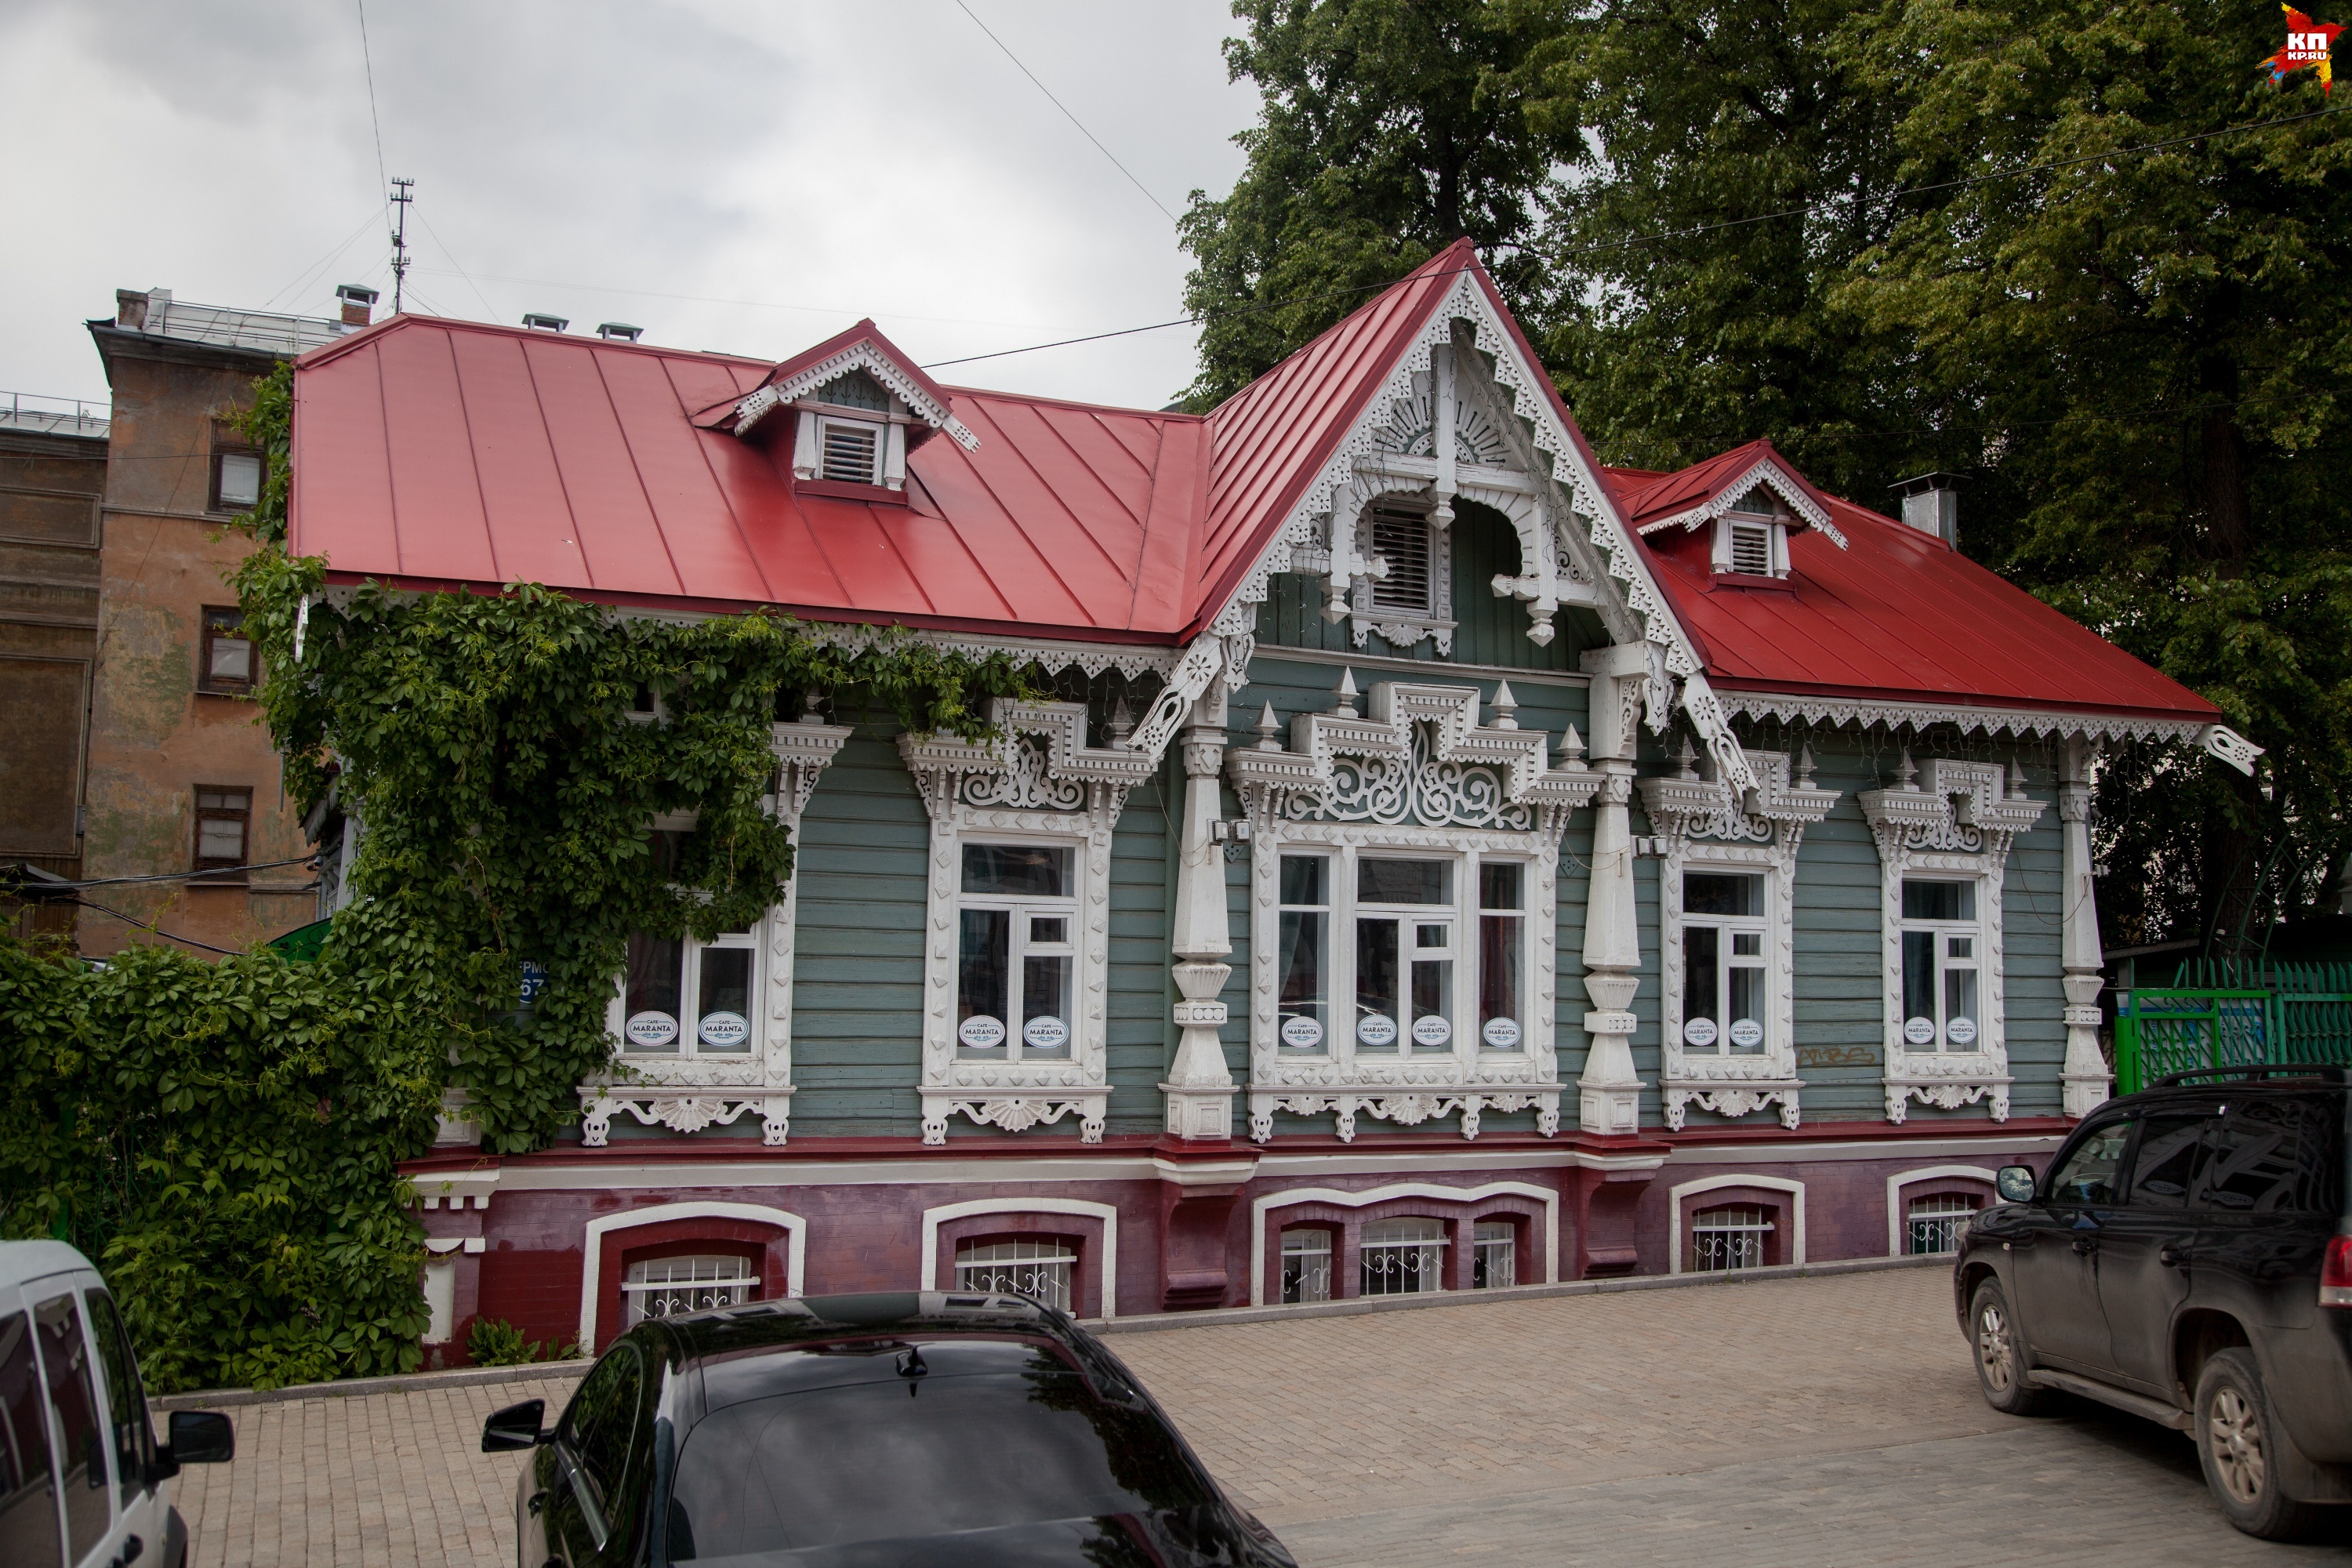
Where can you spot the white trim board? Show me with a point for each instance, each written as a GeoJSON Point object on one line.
{"type": "Point", "coordinates": [1340, 1198]}
{"type": "Point", "coordinates": [1715, 1184]}
{"type": "Point", "coordinates": [592, 1257]}
{"type": "Point", "coordinates": [1109, 1262]}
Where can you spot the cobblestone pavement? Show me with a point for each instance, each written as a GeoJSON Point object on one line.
{"type": "Point", "coordinates": [1827, 1420]}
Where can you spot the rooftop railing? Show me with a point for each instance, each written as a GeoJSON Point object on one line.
{"type": "Point", "coordinates": [55, 415]}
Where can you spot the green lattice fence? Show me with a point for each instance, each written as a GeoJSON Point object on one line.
{"type": "Point", "coordinates": [2221, 1013]}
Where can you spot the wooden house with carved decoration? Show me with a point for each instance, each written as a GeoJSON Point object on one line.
{"type": "Point", "coordinates": [1448, 863]}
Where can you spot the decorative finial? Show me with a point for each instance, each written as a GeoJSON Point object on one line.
{"type": "Point", "coordinates": [1571, 751]}
{"type": "Point", "coordinates": [2016, 780]}
{"type": "Point", "coordinates": [1805, 766]}
{"type": "Point", "coordinates": [811, 706]}
{"type": "Point", "coordinates": [1347, 709]}
{"type": "Point", "coordinates": [1338, 610]}
{"type": "Point", "coordinates": [1122, 722]}
{"type": "Point", "coordinates": [1906, 776]}
{"type": "Point", "coordinates": [1441, 516]}
{"type": "Point", "coordinates": [1268, 729]}
{"type": "Point", "coordinates": [1686, 760]}
{"type": "Point", "coordinates": [1504, 705]}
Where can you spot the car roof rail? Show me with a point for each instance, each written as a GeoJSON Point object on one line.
{"type": "Point", "coordinates": [2327, 1071]}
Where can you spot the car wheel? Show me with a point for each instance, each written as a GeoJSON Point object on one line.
{"type": "Point", "coordinates": [2237, 1443]}
{"type": "Point", "coordinates": [2000, 1354]}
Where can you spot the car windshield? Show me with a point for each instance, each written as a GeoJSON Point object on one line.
{"type": "Point", "coordinates": [898, 1456]}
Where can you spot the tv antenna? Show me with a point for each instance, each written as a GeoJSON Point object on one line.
{"type": "Point", "coordinates": [402, 195]}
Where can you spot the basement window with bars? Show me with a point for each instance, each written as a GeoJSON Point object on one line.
{"type": "Point", "coordinates": [1727, 1238]}
{"type": "Point", "coordinates": [1306, 1265]}
{"type": "Point", "coordinates": [1042, 1270]}
{"type": "Point", "coordinates": [1402, 1257]}
{"type": "Point", "coordinates": [851, 451]}
{"type": "Point", "coordinates": [1494, 1257]}
{"type": "Point", "coordinates": [1936, 1222]}
{"type": "Point", "coordinates": [666, 1286]}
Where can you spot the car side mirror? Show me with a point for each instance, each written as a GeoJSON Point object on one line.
{"type": "Point", "coordinates": [516, 1426]}
{"type": "Point", "coordinates": [2014, 1183]}
{"type": "Point", "coordinates": [202, 1438]}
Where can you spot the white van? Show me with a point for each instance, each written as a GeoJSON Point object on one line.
{"type": "Point", "coordinates": [82, 1481]}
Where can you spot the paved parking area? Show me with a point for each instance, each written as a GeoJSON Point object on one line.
{"type": "Point", "coordinates": [1824, 1420]}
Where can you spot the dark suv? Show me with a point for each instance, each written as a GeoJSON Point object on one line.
{"type": "Point", "coordinates": [2187, 1258]}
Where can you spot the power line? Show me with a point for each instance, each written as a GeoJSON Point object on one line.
{"type": "Point", "coordinates": [1073, 118]}
{"type": "Point", "coordinates": [367, 60]}
{"type": "Point", "coordinates": [308, 274]}
{"type": "Point", "coordinates": [452, 255]}
{"type": "Point", "coordinates": [718, 299]}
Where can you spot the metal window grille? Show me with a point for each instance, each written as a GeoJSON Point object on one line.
{"type": "Point", "coordinates": [1751, 548]}
{"type": "Point", "coordinates": [850, 452]}
{"type": "Point", "coordinates": [1042, 1270]}
{"type": "Point", "coordinates": [1935, 1223]}
{"type": "Point", "coordinates": [1495, 1261]}
{"type": "Point", "coordinates": [1305, 1266]}
{"type": "Point", "coordinates": [1403, 1257]}
{"type": "Point", "coordinates": [1727, 1238]}
{"type": "Point", "coordinates": [1404, 537]}
{"type": "Point", "coordinates": [665, 1286]}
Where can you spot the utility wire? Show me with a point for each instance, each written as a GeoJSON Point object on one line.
{"type": "Point", "coordinates": [61, 886]}
{"type": "Point", "coordinates": [309, 273]}
{"type": "Point", "coordinates": [452, 255]}
{"type": "Point", "coordinates": [367, 59]}
{"type": "Point", "coordinates": [718, 299]}
{"type": "Point", "coordinates": [1073, 118]}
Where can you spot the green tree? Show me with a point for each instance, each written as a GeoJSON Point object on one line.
{"type": "Point", "coordinates": [1382, 139]}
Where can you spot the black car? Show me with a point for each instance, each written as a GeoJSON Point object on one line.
{"type": "Point", "coordinates": [855, 1431]}
{"type": "Point", "coordinates": [2188, 1257]}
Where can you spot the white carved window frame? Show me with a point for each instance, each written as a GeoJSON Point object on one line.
{"type": "Point", "coordinates": [1039, 784]}
{"type": "Point", "coordinates": [1705, 829]}
{"type": "Point", "coordinates": [1403, 628]}
{"type": "Point", "coordinates": [1349, 784]}
{"type": "Point", "coordinates": [1957, 823]}
{"type": "Point", "coordinates": [687, 1092]}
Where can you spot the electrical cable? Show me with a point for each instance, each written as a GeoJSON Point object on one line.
{"type": "Point", "coordinates": [1073, 118]}
{"type": "Point", "coordinates": [367, 59]}
{"type": "Point", "coordinates": [484, 298]}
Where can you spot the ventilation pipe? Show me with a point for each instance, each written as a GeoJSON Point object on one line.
{"type": "Point", "coordinates": [1931, 503]}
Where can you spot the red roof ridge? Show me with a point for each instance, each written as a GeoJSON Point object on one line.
{"type": "Point", "coordinates": [1127, 409]}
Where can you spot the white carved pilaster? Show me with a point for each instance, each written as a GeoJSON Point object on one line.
{"type": "Point", "coordinates": [1200, 1089]}
{"type": "Point", "coordinates": [2085, 1077]}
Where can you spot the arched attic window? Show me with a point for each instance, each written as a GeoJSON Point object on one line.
{"type": "Point", "coordinates": [1751, 538]}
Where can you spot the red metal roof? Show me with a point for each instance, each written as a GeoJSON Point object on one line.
{"type": "Point", "coordinates": [440, 453]}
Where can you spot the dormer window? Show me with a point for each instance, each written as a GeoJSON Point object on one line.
{"type": "Point", "coordinates": [1751, 539]}
{"type": "Point", "coordinates": [852, 450]}
{"type": "Point", "coordinates": [1410, 595]}
{"type": "Point", "coordinates": [854, 407]}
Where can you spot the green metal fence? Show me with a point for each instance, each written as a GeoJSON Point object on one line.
{"type": "Point", "coordinates": [2221, 1013]}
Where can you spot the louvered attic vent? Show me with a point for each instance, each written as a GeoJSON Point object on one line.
{"type": "Point", "coordinates": [851, 452]}
{"type": "Point", "coordinates": [1404, 537]}
{"type": "Point", "coordinates": [1751, 548]}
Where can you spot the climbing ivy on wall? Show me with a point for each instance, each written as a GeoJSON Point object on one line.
{"type": "Point", "coordinates": [506, 753]}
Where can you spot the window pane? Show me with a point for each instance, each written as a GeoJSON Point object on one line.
{"type": "Point", "coordinates": [1045, 1004]}
{"type": "Point", "coordinates": [1404, 882]}
{"type": "Point", "coordinates": [240, 478]}
{"type": "Point", "coordinates": [1746, 1008]}
{"type": "Point", "coordinates": [1043, 1269]}
{"type": "Point", "coordinates": [1961, 1008]}
{"type": "Point", "coordinates": [1433, 1003]}
{"type": "Point", "coordinates": [1500, 953]}
{"type": "Point", "coordinates": [1301, 998]}
{"type": "Point", "coordinates": [1937, 1223]}
{"type": "Point", "coordinates": [1302, 879]}
{"type": "Point", "coordinates": [1702, 950]}
{"type": "Point", "coordinates": [134, 1440]}
{"type": "Point", "coordinates": [2167, 1164]}
{"type": "Point", "coordinates": [2251, 1164]}
{"type": "Point", "coordinates": [983, 975]}
{"type": "Point", "coordinates": [220, 838]}
{"type": "Point", "coordinates": [2089, 1172]}
{"type": "Point", "coordinates": [723, 1005]}
{"type": "Point", "coordinates": [651, 1006]}
{"type": "Point", "coordinates": [232, 659]}
{"type": "Point", "coordinates": [1305, 1266]}
{"type": "Point", "coordinates": [1714, 893]}
{"type": "Point", "coordinates": [73, 1411]}
{"type": "Point", "coordinates": [1046, 930]}
{"type": "Point", "coordinates": [1018, 870]}
{"type": "Point", "coordinates": [1918, 977]}
{"type": "Point", "coordinates": [28, 1493]}
{"type": "Point", "coordinates": [1494, 1262]}
{"type": "Point", "coordinates": [1376, 983]}
{"type": "Point", "coordinates": [1924, 901]}
{"type": "Point", "coordinates": [1499, 884]}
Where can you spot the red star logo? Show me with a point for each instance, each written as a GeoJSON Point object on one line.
{"type": "Point", "coordinates": [2309, 45]}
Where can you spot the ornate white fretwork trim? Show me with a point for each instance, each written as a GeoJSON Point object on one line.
{"type": "Point", "coordinates": [2219, 739]}
{"type": "Point", "coordinates": [860, 356]}
{"type": "Point", "coordinates": [1706, 825]}
{"type": "Point", "coordinates": [1764, 472]}
{"type": "Point", "coordinates": [683, 1110]}
{"type": "Point", "coordinates": [1959, 818]}
{"type": "Point", "coordinates": [1130, 660]}
{"type": "Point", "coordinates": [1039, 781]}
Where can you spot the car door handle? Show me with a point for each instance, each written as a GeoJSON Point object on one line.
{"type": "Point", "coordinates": [2084, 1245]}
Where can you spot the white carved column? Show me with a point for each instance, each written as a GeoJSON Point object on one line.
{"type": "Point", "coordinates": [1609, 1100]}
{"type": "Point", "coordinates": [2086, 1076]}
{"type": "Point", "coordinates": [1200, 1091]}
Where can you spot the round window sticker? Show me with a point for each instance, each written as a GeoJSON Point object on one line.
{"type": "Point", "coordinates": [1919, 1031]}
{"type": "Point", "coordinates": [1503, 1034]}
{"type": "Point", "coordinates": [1301, 1033]}
{"type": "Point", "coordinates": [1960, 1031]}
{"type": "Point", "coordinates": [1045, 1034]}
{"type": "Point", "coordinates": [650, 1031]}
{"type": "Point", "coordinates": [1376, 1029]}
{"type": "Point", "coordinates": [1747, 1034]}
{"type": "Point", "coordinates": [724, 1031]}
{"type": "Point", "coordinates": [981, 1033]}
{"type": "Point", "coordinates": [1699, 1032]}
{"type": "Point", "coordinates": [1432, 1031]}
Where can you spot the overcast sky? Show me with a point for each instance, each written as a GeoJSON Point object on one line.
{"type": "Point", "coordinates": [746, 177]}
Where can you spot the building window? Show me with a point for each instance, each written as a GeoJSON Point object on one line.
{"type": "Point", "coordinates": [1724, 1008]}
{"type": "Point", "coordinates": [1727, 1238]}
{"type": "Point", "coordinates": [1403, 1257]}
{"type": "Point", "coordinates": [1502, 954]}
{"type": "Point", "coordinates": [1495, 1261]}
{"type": "Point", "coordinates": [223, 819]}
{"type": "Point", "coordinates": [1306, 1265]}
{"type": "Point", "coordinates": [683, 997]}
{"type": "Point", "coordinates": [1936, 1222]}
{"type": "Point", "coordinates": [1402, 539]}
{"type": "Point", "coordinates": [1302, 973]}
{"type": "Point", "coordinates": [1405, 923]}
{"type": "Point", "coordinates": [225, 661]}
{"type": "Point", "coordinates": [666, 1286]}
{"type": "Point", "coordinates": [237, 470]}
{"type": "Point", "coordinates": [1016, 919]}
{"type": "Point", "coordinates": [1942, 946]}
{"type": "Point", "coordinates": [1752, 538]}
{"type": "Point", "coordinates": [850, 451]}
{"type": "Point", "coordinates": [1040, 1269]}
